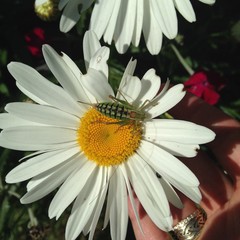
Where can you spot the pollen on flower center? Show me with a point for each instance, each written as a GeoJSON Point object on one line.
{"type": "Point", "coordinates": [106, 141]}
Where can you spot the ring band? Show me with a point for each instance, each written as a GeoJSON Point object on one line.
{"type": "Point", "coordinates": [190, 227]}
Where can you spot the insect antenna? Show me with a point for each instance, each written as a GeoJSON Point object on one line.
{"type": "Point", "coordinates": [90, 104]}
{"type": "Point", "coordinates": [124, 96]}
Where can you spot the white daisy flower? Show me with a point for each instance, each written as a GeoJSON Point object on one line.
{"type": "Point", "coordinates": [88, 155]}
{"type": "Point", "coordinates": [124, 21]}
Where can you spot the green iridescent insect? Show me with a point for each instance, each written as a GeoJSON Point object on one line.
{"type": "Point", "coordinates": [122, 111]}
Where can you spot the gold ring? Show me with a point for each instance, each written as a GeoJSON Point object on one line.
{"type": "Point", "coordinates": [190, 227]}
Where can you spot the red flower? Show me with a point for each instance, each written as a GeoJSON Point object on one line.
{"type": "Point", "coordinates": [206, 85]}
{"type": "Point", "coordinates": [35, 39]}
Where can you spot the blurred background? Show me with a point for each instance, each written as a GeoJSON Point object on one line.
{"type": "Point", "coordinates": [205, 57]}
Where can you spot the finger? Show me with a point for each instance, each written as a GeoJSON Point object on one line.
{"type": "Point", "coordinates": [226, 146]}
{"type": "Point", "coordinates": [216, 189]}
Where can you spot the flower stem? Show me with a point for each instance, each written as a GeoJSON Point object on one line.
{"type": "Point", "coordinates": [182, 60]}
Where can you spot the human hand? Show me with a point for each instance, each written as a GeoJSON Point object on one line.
{"type": "Point", "coordinates": [219, 176]}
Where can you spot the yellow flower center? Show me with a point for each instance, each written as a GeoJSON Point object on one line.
{"type": "Point", "coordinates": [47, 10]}
{"type": "Point", "coordinates": [107, 141]}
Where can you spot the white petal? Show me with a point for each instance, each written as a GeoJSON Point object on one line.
{"type": "Point", "coordinates": [208, 1]}
{"type": "Point", "coordinates": [167, 101]}
{"type": "Point", "coordinates": [62, 4]}
{"type": "Point", "coordinates": [71, 13]}
{"type": "Point", "coordinates": [39, 86]}
{"type": "Point", "coordinates": [178, 149]}
{"type": "Point", "coordinates": [171, 194]}
{"type": "Point", "coordinates": [186, 9]}
{"type": "Point", "coordinates": [32, 138]}
{"type": "Point", "coordinates": [130, 195]}
{"type": "Point", "coordinates": [37, 180]}
{"type": "Point", "coordinates": [71, 188]}
{"type": "Point", "coordinates": [69, 17]}
{"type": "Point", "coordinates": [95, 56]}
{"type": "Point", "coordinates": [84, 95]}
{"type": "Point", "coordinates": [110, 172]}
{"type": "Point", "coordinates": [150, 85]}
{"type": "Point", "coordinates": [39, 164]}
{"type": "Point", "coordinates": [164, 11]}
{"type": "Point", "coordinates": [130, 91]}
{"type": "Point", "coordinates": [64, 73]}
{"type": "Point", "coordinates": [173, 171]}
{"type": "Point", "coordinates": [99, 61]}
{"type": "Point", "coordinates": [31, 95]}
{"type": "Point", "coordinates": [33, 154]}
{"type": "Point", "coordinates": [42, 114]}
{"type": "Point", "coordinates": [97, 211]}
{"type": "Point", "coordinates": [138, 23]}
{"type": "Point", "coordinates": [108, 35]}
{"type": "Point", "coordinates": [51, 182]}
{"type": "Point", "coordinates": [129, 70]}
{"type": "Point", "coordinates": [125, 25]}
{"type": "Point", "coordinates": [7, 121]}
{"type": "Point", "coordinates": [118, 206]}
{"type": "Point", "coordinates": [85, 205]}
{"type": "Point", "coordinates": [149, 192]}
{"type": "Point", "coordinates": [96, 83]}
{"type": "Point", "coordinates": [166, 164]}
{"type": "Point", "coordinates": [192, 193]}
{"type": "Point", "coordinates": [91, 45]}
{"type": "Point", "coordinates": [71, 64]}
{"type": "Point", "coordinates": [99, 21]}
{"type": "Point", "coordinates": [179, 131]}
{"type": "Point", "coordinates": [151, 29]}
{"type": "Point", "coordinates": [148, 180]}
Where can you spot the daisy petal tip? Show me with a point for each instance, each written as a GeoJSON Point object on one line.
{"type": "Point", "coordinates": [103, 53]}
{"type": "Point", "coordinates": [24, 200]}
{"type": "Point", "coordinates": [10, 178]}
{"type": "Point", "coordinates": [194, 153]}
{"type": "Point", "coordinates": [212, 135]}
{"type": "Point", "coordinates": [154, 50]}
{"type": "Point", "coordinates": [11, 66]}
{"type": "Point", "coordinates": [122, 48]}
{"type": "Point", "coordinates": [168, 223]}
{"type": "Point", "coordinates": [66, 25]}
{"type": "Point", "coordinates": [63, 26]}
{"type": "Point", "coordinates": [49, 52]}
{"type": "Point", "coordinates": [51, 215]}
{"type": "Point", "coordinates": [209, 135]}
{"type": "Point", "coordinates": [180, 205]}
{"type": "Point", "coordinates": [46, 48]}
{"type": "Point", "coordinates": [178, 88]}
{"type": "Point", "coordinates": [197, 197]}
{"type": "Point", "coordinates": [210, 2]}
{"type": "Point", "coordinates": [182, 88]}
{"type": "Point", "coordinates": [90, 34]}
